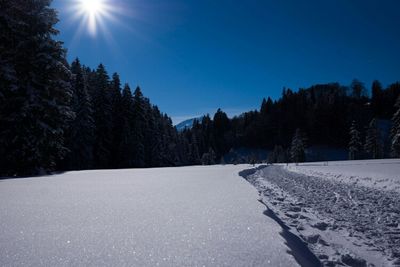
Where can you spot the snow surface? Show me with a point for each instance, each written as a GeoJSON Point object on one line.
{"type": "Point", "coordinates": [347, 212]}
{"type": "Point", "coordinates": [383, 174]}
{"type": "Point", "coordinates": [192, 216]}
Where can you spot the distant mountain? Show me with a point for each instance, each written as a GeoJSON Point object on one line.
{"type": "Point", "coordinates": [187, 124]}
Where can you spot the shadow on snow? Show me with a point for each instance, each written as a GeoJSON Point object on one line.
{"type": "Point", "coordinates": [297, 247]}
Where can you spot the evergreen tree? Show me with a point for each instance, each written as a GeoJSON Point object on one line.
{"type": "Point", "coordinates": [194, 155]}
{"type": "Point", "coordinates": [376, 99]}
{"type": "Point", "coordinates": [266, 106]}
{"type": "Point", "coordinates": [253, 159]}
{"type": "Point", "coordinates": [265, 124]}
{"type": "Point", "coordinates": [139, 126]}
{"type": "Point", "coordinates": [208, 158]}
{"type": "Point", "coordinates": [155, 138]}
{"type": "Point", "coordinates": [373, 142]}
{"type": "Point", "coordinates": [102, 117]}
{"type": "Point", "coordinates": [355, 142]}
{"type": "Point", "coordinates": [35, 89]}
{"type": "Point", "coordinates": [221, 127]}
{"type": "Point", "coordinates": [297, 151]}
{"type": "Point", "coordinates": [395, 131]}
{"type": "Point", "coordinates": [127, 145]}
{"type": "Point", "coordinates": [80, 133]}
{"type": "Point", "coordinates": [358, 89]}
{"type": "Point", "coordinates": [117, 119]}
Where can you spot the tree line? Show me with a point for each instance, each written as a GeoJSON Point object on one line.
{"type": "Point", "coordinates": [325, 114]}
{"type": "Point", "coordinates": [56, 116]}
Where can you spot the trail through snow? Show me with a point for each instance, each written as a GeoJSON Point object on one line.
{"type": "Point", "coordinates": [343, 220]}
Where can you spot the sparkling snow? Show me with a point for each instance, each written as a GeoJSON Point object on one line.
{"type": "Point", "coordinates": [191, 216]}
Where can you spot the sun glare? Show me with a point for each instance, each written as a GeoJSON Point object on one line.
{"type": "Point", "coordinates": [99, 18]}
{"type": "Point", "coordinates": [92, 6]}
{"type": "Point", "coordinates": [94, 14]}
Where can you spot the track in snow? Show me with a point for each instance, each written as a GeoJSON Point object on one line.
{"type": "Point", "coordinates": [343, 223]}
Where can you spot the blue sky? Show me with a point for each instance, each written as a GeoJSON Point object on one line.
{"type": "Point", "coordinates": [191, 57]}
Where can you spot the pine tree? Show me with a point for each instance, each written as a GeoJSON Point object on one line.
{"type": "Point", "coordinates": [139, 127]}
{"type": "Point", "coordinates": [126, 157]}
{"type": "Point", "coordinates": [208, 158]}
{"type": "Point", "coordinates": [35, 88]}
{"type": "Point", "coordinates": [355, 142]}
{"type": "Point", "coordinates": [117, 120]}
{"type": "Point", "coordinates": [80, 133]}
{"type": "Point", "coordinates": [172, 143]}
{"type": "Point", "coordinates": [358, 89]}
{"type": "Point", "coordinates": [376, 99]}
{"type": "Point", "coordinates": [297, 151]}
{"type": "Point", "coordinates": [373, 142]}
{"type": "Point", "coordinates": [221, 127]}
{"type": "Point", "coordinates": [194, 155]}
{"type": "Point", "coordinates": [155, 149]}
{"type": "Point", "coordinates": [395, 131]}
{"type": "Point", "coordinates": [102, 117]}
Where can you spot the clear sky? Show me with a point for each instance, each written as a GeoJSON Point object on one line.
{"type": "Point", "coordinates": [191, 57]}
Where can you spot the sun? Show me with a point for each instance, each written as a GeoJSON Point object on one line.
{"type": "Point", "coordinates": [92, 7]}
{"type": "Point", "coordinates": [96, 17]}
{"type": "Point", "coordinates": [93, 14]}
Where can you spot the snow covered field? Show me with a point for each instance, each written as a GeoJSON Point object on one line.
{"type": "Point", "coordinates": [192, 216]}
{"type": "Point", "coordinates": [382, 174]}
{"type": "Point", "coordinates": [347, 212]}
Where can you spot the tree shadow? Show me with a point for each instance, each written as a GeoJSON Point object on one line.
{"type": "Point", "coordinates": [297, 247]}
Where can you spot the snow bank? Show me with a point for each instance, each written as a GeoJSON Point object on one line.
{"type": "Point", "coordinates": [194, 216]}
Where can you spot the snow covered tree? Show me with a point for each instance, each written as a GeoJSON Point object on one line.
{"type": "Point", "coordinates": [35, 88]}
{"type": "Point", "coordinates": [373, 143]}
{"type": "Point", "coordinates": [297, 151]}
{"type": "Point", "coordinates": [208, 158]}
{"type": "Point", "coordinates": [355, 142]}
{"type": "Point", "coordinates": [395, 131]}
{"type": "Point", "coordinates": [80, 134]}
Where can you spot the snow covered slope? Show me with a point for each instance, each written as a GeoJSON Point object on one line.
{"type": "Point", "coordinates": [187, 124]}
{"type": "Point", "coordinates": [192, 216]}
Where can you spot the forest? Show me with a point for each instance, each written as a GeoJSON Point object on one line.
{"type": "Point", "coordinates": [59, 116]}
{"type": "Point", "coordinates": [325, 114]}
